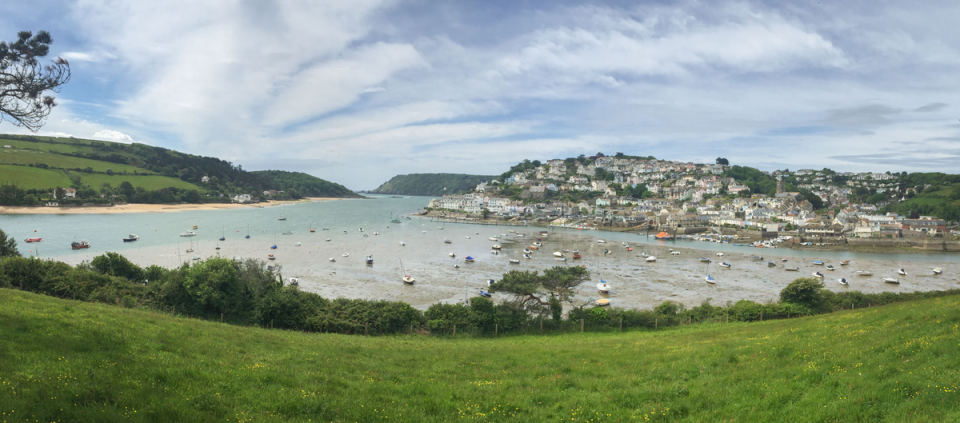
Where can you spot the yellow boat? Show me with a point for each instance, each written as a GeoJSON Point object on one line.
{"type": "Point", "coordinates": [603, 302]}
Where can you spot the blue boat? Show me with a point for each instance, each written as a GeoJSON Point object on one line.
{"type": "Point", "coordinates": [468, 259]}
{"type": "Point", "coordinates": [274, 247]}
{"type": "Point", "coordinates": [710, 279]}
{"type": "Point", "coordinates": [818, 262]}
{"type": "Point", "coordinates": [485, 294]}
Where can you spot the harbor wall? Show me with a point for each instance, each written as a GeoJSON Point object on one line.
{"type": "Point", "coordinates": [919, 244]}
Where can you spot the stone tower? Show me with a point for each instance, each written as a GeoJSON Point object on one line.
{"type": "Point", "coordinates": [781, 186]}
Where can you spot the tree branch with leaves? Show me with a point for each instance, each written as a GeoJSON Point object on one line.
{"type": "Point", "coordinates": [24, 80]}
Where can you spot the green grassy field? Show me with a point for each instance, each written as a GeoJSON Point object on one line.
{"type": "Point", "coordinates": [45, 147]}
{"type": "Point", "coordinates": [68, 361]}
{"type": "Point", "coordinates": [32, 177]}
{"type": "Point", "coordinates": [152, 182]}
{"type": "Point", "coordinates": [26, 157]}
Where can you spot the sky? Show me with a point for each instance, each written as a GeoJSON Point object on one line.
{"type": "Point", "coordinates": [359, 91]}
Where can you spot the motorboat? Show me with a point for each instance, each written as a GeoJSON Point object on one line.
{"type": "Point", "coordinates": [79, 245]}
{"type": "Point", "coordinates": [818, 275]}
{"type": "Point", "coordinates": [842, 281]}
{"type": "Point", "coordinates": [830, 267]}
{"type": "Point", "coordinates": [720, 254]}
{"type": "Point", "coordinates": [369, 259]}
{"type": "Point", "coordinates": [674, 253]}
{"type": "Point", "coordinates": [600, 241]}
{"type": "Point", "coordinates": [490, 282]}
{"type": "Point", "coordinates": [493, 238]}
{"type": "Point", "coordinates": [725, 265]}
{"type": "Point", "coordinates": [538, 244]}
{"type": "Point", "coordinates": [603, 302]}
{"type": "Point", "coordinates": [514, 261]}
{"type": "Point", "coordinates": [196, 257]}
{"type": "Point", "coordinates": [403, 244]}
{"type": "Point", "coordinates": [845, 262]}
{"type": "Point", "coordinates": [650, 259]}
{"type": "Point", "coordinates": [527, 256]}
{"type": "Point", "coordinates": [603, 287]}
{"type": "Point", "coordinates": [771, 264]}
{"type": "Point", "coordinates": [757, 258]}
{"type": "Point", "coordinates": [527, 251]}
{"type": "Point", "coordinates": [576, 256]}
{"type": "Point", "coordinates": [817, 263]}
{"type": "Point", "coordinates": [710, 279]}
{"type": "Point", "coordinates": [467, 237]}
{"type": "Point", "coordinates": [332, 260]}
{"type": "Point", "coordinates": [937, 270]}
{"type": "Point", "coordinates": [328, 240]}
{"type": "Point", "coordinates": [297, 244]}
{"type": "Point", "coordinates": [188, 233]}
{"type": "Point", "coordinates": [452, 255]}
{"type": "Point", "coordinates": [447, 241]}
{"type": "Point", "coordinates": [468, 259]}
{"type": "Point", "coordinates": [376, 233]}
{"type": "Point", "coordinates": [607, 252]}
{"type": "Point", "coordinates": [345, 255]}
{"type": "Point", "coordinates": [271, 257]}
{"type": "Point", "coordinates": [485, 294]}
{"type": "Point", "coordinates": [792, 269]}
{"type": "Point", "coordinates": [273, 247]}
{"type": "Point", "coordinates": [295, 281]}
{"type": "Point", "coordinates": [131, 238]}
{"type": "Point", "coordinates": [704, 260]}
{"type": "Point", "coordinates": [864, 273]}
{"type": "Point", "coordinates": [902, 272]}
{"type": "Point", "coordinates": [33, 240]}
{"type": "Point", "coordinates": [784, 259]}
{"type": "Point", "coordinates": [891, 280]}
{"type": "Point", "coordinates": [557, 254]}
{"type": "Point", "coordinates": [496, 247]}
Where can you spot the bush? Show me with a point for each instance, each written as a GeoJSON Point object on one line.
{"type": "Point", "coordinates": [807, 292]}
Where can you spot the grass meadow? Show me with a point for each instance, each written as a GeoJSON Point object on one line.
{"type": "Point", "coordinates": [42, 146]}
{"type": "Point", "coordinates": [26, 157]}
{"type": "Point", "coordinates": [33, 177]}
{"type": "Point", "coordinates": [67, 361]}
{"type": "Point", "coordinates": [150, 183]}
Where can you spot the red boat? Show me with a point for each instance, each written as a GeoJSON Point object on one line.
{"type": "Point", "coordinates": [34, 239]}
{"type": "Point", "coordinates": [78, 245]}
{"type": "Point", "coordinates": [312, 230]}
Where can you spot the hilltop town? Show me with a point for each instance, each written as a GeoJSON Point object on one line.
{"type": "Point", "coordinates": [680, 197]}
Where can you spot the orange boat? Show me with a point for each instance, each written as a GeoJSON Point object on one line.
{"type": "Point", "coordinates": [534, 247]}
{"type": "Point", "coordinates": [629, 248]}
{"type": "Point", "coordinates": [576, 256]}
{"type": "Point", "coordinates": [663, 235]}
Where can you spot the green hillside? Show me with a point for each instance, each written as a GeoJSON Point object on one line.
{"type": "Point", "coordinates": [431, 184]}
{"type": "Point", "coordinates": [31, 167]}
{"type": "Point", "coordinates": [79, 362]}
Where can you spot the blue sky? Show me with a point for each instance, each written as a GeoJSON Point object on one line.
{"type": "Point", "coordinates": [357, 92]}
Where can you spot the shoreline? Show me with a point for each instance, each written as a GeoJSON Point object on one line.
{"type": "Point", "coordinates": [151, 208]}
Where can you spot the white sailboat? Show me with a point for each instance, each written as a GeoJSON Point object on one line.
{"type": "Point", "coordinates": [406, 278]}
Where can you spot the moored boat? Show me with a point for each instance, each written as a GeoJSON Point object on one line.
{"type": "Point", "coordinates": [817, 263]}
{"type": "Point", "coordinates": [704, 260]}
{"type": "Point", "coordinates": [603, 302]}
{"type": "Point", "coordinates": [78, 245]}
{"type": "Point", "coordinates": [369, 259]}
{"type": "Point", "coordinates": [603, 287]}
{"type": "Point", "coordinates": [514, 261]}
{"type": "Point", "coordinates": [937, 270]}
{"type": "Point", "coordinates": [468, 259]}
{"type": "Point", "coordinates": [842, 281]}
{"type": "Point", "coordinates": [818, 275]}
{"type": "Point", "coordinates": [891, 280]}
{"type": "Point", "coordinates": [188, 233]}
{"type": "Point", "coordinates": [863, 273]}
{"type": "Point", "coordinates": [830, 267]}
{"type": "Point", "coordinates": [792, 269]}
{"type": "Point", "coordinates": [131, 238]}
{"type": "Point", "coordinates": [650, 259]}
{"type": "Point", "coordinates": [725, 265]}
{"type": "Point", "coordinates": [33, 239]}
{"type": "Point", "coordinates": [902, 272]}
{"type": "Point", "coordinates": [710, 279]}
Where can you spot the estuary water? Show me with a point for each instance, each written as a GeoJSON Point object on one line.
{"type": "Point", "coordinates": [426, 256]}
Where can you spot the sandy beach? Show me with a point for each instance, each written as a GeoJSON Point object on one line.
{"type": "Point", "coordinates": [151, 208]}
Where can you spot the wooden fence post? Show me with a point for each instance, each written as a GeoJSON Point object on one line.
{"type": "Point", "coordinates": [221, 317]}
{"type": "Point", "coordinates": [656, 323]}
{"type": "Point", "coordinates": [496, 329]}
{"type": "Point", "coordinates": [541, 326]}
{"type": "Point", "coordinates": [581, 325]}
{"type": "Point", "coordinates": [621, 325]}
{"type": "Point", "coordinates": [761, 316]}
{"type": "Point", "coordinates": [454, 328]}
{"type": "Point", "coordinates": [366, 329]}
{"type": "Point", "coordinates": [728, 317]}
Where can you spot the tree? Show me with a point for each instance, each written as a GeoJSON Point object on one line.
{"type": "Point", "coordinates": [723, 161]}
{"type": "Point", "coordinates": [531, 290]}
{"type": "Point", "coordinates": [8, 246]}
{"type": "Point", "coordinates": [23, 80]}
{"type": "Point", "coordinates": [804, 291]}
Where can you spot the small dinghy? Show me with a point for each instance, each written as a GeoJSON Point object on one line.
{"type": "Point", "coordinates": [818, 275]}
{"type": "Point", "coordinates": [792, 269]}
{"type": "Point", "coordinates": [295, 281]}
{"type": "Point", "coordinates": [271, 257]}
{"type": "Point", "coordinates": [527, 251]}
{"type": "Point", "coordinates": [830, 267]}
{"type": "Point", "coordinates": [902, 272]}
{"type": "Point", "coordinates": [328, 240]}
{"type": "Point", "coordinates": [719, 254]}
{"type": "Point", "coordinates": [600, 241]}
{"type": "Point", "coordinates": [490, 282]}
{"type": "Point", "coordinates": [557, 254]}
{"type": "Point", "coordinates": [771, 264]}
{"type": "Point", "coordinates": [369, 260]}
{"type": "Point", "coordinates": [937, 270]}
{"type": "Point", "coordinates": [603, 287]}
{"type": "Point", "coordinates": [650, 259]}
{"type": "Point", "coordinates": [725, 265]}
{"type": "Point", "coordinates": [843, 281]}
{"type": "Point", "coordinates": [485, 294]}
{"type": "Point", "coordinates": [704, 260]}
{"type": "Point", "coordinates": [345, 255]}
{"type": "Point", "coordinates": [845, 262]}
{"type": "Point", "coordinates": [783, 259]}
{"type": "Point", "coordinates": [603, 302]}
{"type": "Point", "coordinates": [452, 255]}
{"type": "Point", "coordinates": [864, 273]}
{"type": "Point", "coordinates": [710, 279]}
{"type": "Point", "coordinates": [407, 279]}
{"type": "Point", "coordinates": [514, 261]}
{"type": "Point", "coordinates": [606, 252]}
{"type": "Point", "coordinates": [675, 253]}
{"type": "Point", "coordinates": [527, 256]}
{"type": "Point", "coordinates": [560, 259]}
{"type": "Point", "coordinates": [757, 258]}
{"type": "Point", "coordinates": [496, 247]}
{"type": "Point", "coordinates": [447, 241]}
{"type": "Point", "coordinates": [403, 244]}
{"type": "Point", "coordinates": [297, 244]}
{"type": "Point", "coordinates": [891, 280]}
{"type": "Point", "coordinates": [468, 259]}
{"type": "Point", "coordinates": [493, 238]}
{"type": "Point", "coordinates": [817, 263]}
{"type": "Point", "coordinates": [332, 260]}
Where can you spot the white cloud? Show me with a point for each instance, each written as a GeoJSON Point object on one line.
{"type": "Point", "coordinates": [111, 135]}
{"type": "Point", "coordinates": [86, 56]}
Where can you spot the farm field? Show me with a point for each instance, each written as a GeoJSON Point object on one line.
{"type": "Point", "coordinates": [32, 177]}
{"type": "Point", "coordinates": [71, 361]}
{"type": "Point", "coordinates": [150, 183]}
{"type": "Point", "coordinates": [26, 157]}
